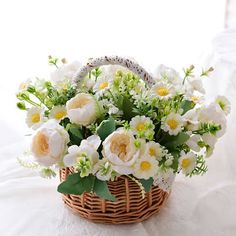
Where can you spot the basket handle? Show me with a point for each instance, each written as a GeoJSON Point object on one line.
{"type": "Point", "coordinates": [114, 60]}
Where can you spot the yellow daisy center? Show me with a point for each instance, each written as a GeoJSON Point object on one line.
{"type": "Point", "coordinates": [185, 163]}
{"type": "Point", "coordinates": [162, 91]}
{"type": "Point", "coordinates": [172, 123]}
{"type": "Point", "coordinates": [60, 115]}
{"type": "Point", "coordinates": [23, 86]}
{"type": "Point", "coordinates": [140, 126]}
{"type": "Point", "coordinates": [195, 98]}
{"type": "Point", "coordinates": [145, 165]}
{"type": "Point", "coordinates": [35, 118]}
{"type": "Point", "coordinates": [103, 85]}
{"type": "Point", "coordinates": [152, 152]}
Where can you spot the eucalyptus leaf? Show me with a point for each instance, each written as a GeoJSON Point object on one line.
{"type": "Point", "coordinates": [102, 191]}
{"type": "Point", "coordinates": [106, 128]}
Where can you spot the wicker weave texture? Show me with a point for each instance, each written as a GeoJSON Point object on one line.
{"type": "Point", "coordinates": [130, 207]}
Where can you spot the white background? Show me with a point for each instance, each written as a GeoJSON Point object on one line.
{"type": "Point", "coordinates": [176, 33]}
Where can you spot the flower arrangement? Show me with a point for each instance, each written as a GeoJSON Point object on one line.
{"type": "Point", "coordinates": [111, 123]}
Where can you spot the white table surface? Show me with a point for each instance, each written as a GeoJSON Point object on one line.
{"type": "Point", "coordinates": [30, 205]}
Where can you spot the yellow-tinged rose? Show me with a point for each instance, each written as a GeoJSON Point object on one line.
{"type": "Point", "coordinates": [82, 109]}
{"type": "Point", "coordinates": [49, 143]}
{"type": "Point", "coordinates": [120, 150]}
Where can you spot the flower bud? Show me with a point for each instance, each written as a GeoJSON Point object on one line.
{"type": "Point", "coordinates": [21, 105]}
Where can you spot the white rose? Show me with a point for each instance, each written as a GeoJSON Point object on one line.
{"type": "Point", "coordinates": [82, 109]}
{"type": "Point", "coordinates": [65, 72]}
{"type": "Point", "coordinates": [49, 143]}
{"type": "Point", "coordinates": [120, 150]}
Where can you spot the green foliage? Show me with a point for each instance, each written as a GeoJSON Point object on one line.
{"type": "Point", "coordinates": [74, 184]}
{"type": "Point", "coordinates": [201, 167]}
{"type": "Point", "coordinates": [75, 133]}
{"type": "Point", "coordinates": [171, 141]}
{"type": "Point", "coordinates": [128, 109]}
{"type": "Point", "coordinates": [208, 128]}
{"type": "Point", "coordinates": [106, 128]}
{"type": "Point", "coordinates": [187, 105]}
{"type": "Point", "coordinates": [147, 184]}
{"type": "Point", "coordinates": [102, 191]}
{"type": "Point", "coordinates": [96, 72]}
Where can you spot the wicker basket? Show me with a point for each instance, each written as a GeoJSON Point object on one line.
{"type": "Point", "coordinates": [130, 207]}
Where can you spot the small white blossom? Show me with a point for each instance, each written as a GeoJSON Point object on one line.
{"type": "Point", "coordinates": [224, 104]}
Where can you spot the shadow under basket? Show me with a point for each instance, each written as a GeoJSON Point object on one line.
{"type": "Point", "coordinates": [130, 207]}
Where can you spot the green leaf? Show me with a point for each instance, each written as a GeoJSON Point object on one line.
{"type": "Point", "coordinates": [74, 184]}
{"type": "Point", "coordinates": [71, 185]}
{"type": "Point", "coordinates": [187, 105]}
{"type": "Point", "coordinates": [147, 184]}
{"type": "Point", "coordinates": [106, 128]}
{"type": "Point", "coordinates": [102, 191]}
{"type": "Point", "coordinates": [172, 141]}
{"type": "Point", "coordinates": [75, 134]}
{"type": "Point", "coordinates": [128, 109]}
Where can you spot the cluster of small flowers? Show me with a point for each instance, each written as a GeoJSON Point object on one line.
{"type": "Point", "coordinates": [113, 124]}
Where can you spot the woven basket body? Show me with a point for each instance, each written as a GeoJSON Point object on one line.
{"type": "Point", "coordinates": [130, 207]}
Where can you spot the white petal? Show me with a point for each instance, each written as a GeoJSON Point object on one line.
{"type": "Point", "coordinates": [73, 149]}
{"type": "Point", "coordinates": [69, 160]}
{"type": "Point", "coordinates": [94, 140]}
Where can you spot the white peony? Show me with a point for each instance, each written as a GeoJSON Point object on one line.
{"type": "Point", "coordinates": [119, 148]}
{"type": "Point", "coordinates": [87, 151]}
{"type": "Point", "coordinates": [35, 117]}
{"type": "Point", "coordinates": [49, 143]}
{"type": "Point", "coordinates": [82, 109]}
{"type": "Point", "coordinates": [65, 73]}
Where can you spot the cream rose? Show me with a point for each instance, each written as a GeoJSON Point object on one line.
{"type": "Point", "coordinates": [49, 143]}
{"type": "Point", "coordinates": [120, 150]}
{"type": "Point", "coordinates": [82, 109]}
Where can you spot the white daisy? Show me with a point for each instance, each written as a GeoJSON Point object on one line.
{"type": "Point", "coordinates": [145, 167]}
{"type": "Point", "coordinates": [58, 113]}
{"type": "Point", "coordinates": [102, 85]}
{"type": "Point", "coordinates": [224, 104]}
{"type": "Point", "coordinates": [35, 117]}
{"type": "Point", "coordinates": [162, 90]}
{"type": "Point", "coordinates": [142, 126]}
{"type": "Point", "coordinates": [173, 123]}
{"type": "Point", "coordinates": [187, 162]}
{"type": "Point", "coordinates": [153, 149]}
